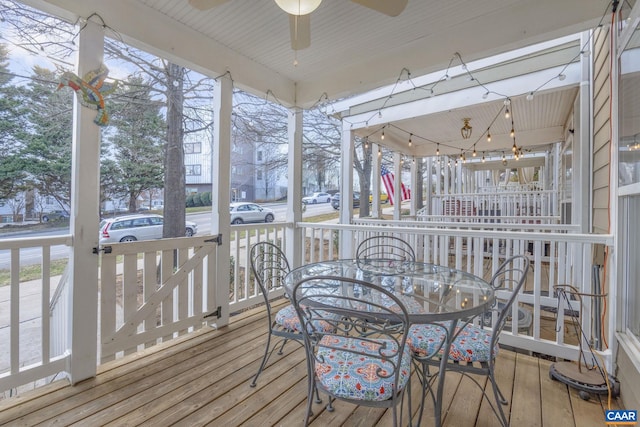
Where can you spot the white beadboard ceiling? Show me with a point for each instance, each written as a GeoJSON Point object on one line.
{"type": "Point", "coordinates": [353, 49]}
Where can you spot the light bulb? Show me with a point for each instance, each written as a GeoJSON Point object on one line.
{"type": "Point", "coordinates": [488, 136]}
{"type": "Point", "coordinates": [410, 143]}
{"type": "Point", "coordinates": [530, 96]}
{"type": "Point", "coordinates": [514, 148]}
{"type": "Point", "coordinates": [474, 152]}
{"type": "Point", "coordinates": [438, 150]}
{"type": "Point", "coordinates": [483, 158]}
{"type": "Point", "coordinates": [298, 7]}
{"type": "Point", "coordinates": [447, 77]}
{"type": "Point", "coordinates": [382, 136]}
{"type": "Point", "coordinates": [379, 114]}
{"type": "Point", "coordinates": [486, 95]}
{"type": "Point", "coordinates": [506, 113]}
{"type": "Point", "coordinates": [561, 77]}
{"type": "Point", "coordinates": [512, 133]}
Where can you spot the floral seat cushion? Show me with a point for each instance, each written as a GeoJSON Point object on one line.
{"type": "Point", "coordinates": [472, 344]}
{"type": "Point", "coordinates": [355, 376]}
{"type": "Point", "coordinates": [288, 319]}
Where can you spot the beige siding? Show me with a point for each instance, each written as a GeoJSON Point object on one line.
{"type": "Point", "coordinates": [601, 131]}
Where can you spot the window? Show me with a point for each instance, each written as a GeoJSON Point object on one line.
{"type": "Point", "coordinates": [629, 181]}
{"type": "Point", "coordinates": [192, 148]}
{"type": "Point", "coordinates": [193, 169]}
{"type": "Point", "coordinates": [259, 175]}
{"type": "Point", "coordinates": [259, 156]}
{"type": "Point", "coordinates": [629, 111]}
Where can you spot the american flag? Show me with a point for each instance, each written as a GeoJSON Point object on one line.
{"type": "Point", "coordinates": [387, 179]}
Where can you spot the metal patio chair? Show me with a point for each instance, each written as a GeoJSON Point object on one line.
{"type": "Point", "coordinates": [363, 358]}
{"type": "Point", "coordinates": [474, 347]}
{"type": "Point", "coordinates": [382, 247]}
{"type": "Point", "coordinates": [269, 266]}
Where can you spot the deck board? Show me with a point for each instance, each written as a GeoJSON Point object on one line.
{"type": "Point", "coordinates": [203, 379]}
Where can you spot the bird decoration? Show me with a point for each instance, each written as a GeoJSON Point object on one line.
{"type": "Point", "coordinates": [91, 90]}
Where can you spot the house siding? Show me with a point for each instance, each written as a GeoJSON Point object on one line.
{"type": "Point", "coordinates": [601, 131]}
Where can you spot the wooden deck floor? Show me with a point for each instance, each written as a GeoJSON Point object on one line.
{"type": "Point", "coordinates": [203, 379]}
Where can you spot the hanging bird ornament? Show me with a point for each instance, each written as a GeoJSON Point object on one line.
{"type": "Point", "coordinates": [91, 90]}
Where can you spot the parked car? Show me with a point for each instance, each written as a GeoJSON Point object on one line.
{"type": "Point", "coordinates": [242, 212]}
{"type": "Point", "coordinates": [317, 198]}
{"type": "Point", "coordinates": [335, 200]}
{"type": "Point", "coordinates": [55, 216]}
{"type": "Point", "coordinates": [130, 228]}
{"type": "Point", "coordinates": [384, 198]}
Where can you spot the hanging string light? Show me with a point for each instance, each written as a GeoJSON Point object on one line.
{"type": "Point", "coordinates": [382, 136]}
{"type": "Point", "coordinates": [410, 143]}
{"type": "Point", "coordinates": [483, 157]}
{"type": "Point", "coordinates": [474, 151]}
{"type": "Point", "coordinates": [437, 149]}
{"type": "Point", "coordinates": [366, 143]}
{"type": "Point", "coordinates": [488, 135]}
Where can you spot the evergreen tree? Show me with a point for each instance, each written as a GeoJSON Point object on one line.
{"type": "Point", "coordinates": [11, 133]}
{"type": "Point", "coordinates": [137, 139]}
{"type": "Point", "coordinates": [47, 153]}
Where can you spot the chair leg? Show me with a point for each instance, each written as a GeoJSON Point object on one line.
{"type": "Point", "coordinates": [264, 361]}
{"type": "Point", "coordinates": [500, 401]}
{"type": "Point", "coordinates": [284, 341]}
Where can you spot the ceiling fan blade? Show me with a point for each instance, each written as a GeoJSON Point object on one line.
{"type": "Point", "coordinates": [300, 27]}
{"type": "Point", "coordinates": [206, 4]}
{"type": "Point", "coordinates": [388, 7]}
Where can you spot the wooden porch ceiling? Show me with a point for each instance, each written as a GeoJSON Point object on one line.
{"type": "Point", "coordinates": [353, 49]}
{"type": "Point", "coordinates": [203, 379]}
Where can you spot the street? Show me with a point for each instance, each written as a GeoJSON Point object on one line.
{"type": "Point", "coordinates": [32, 256]}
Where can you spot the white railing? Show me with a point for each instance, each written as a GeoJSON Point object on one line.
{"type": "Point", "coordinates": [26, 318]}
{"type": "Point", "coordinates": [243, 293]}
{"type": "Point", "coordinates": [556, 259]}
{"type": "Point", "coordinates": [509, 203]}
{"type": "Point", "coordinates": [154, 291]}
{"type": "Point", "coordinates": [145, 300]}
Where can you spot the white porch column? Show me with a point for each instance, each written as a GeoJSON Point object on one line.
{"type": "Point", "coordinates": [85, 215]}
{"type": "Point", "coordinates": [346, 190]}
{"type": "Point", "coordinates": [218, 292]}
{"type": "Point", "coordinates": [376, 212]}
{"type": "Point", "coordinates": [397, 186]}
{"type": "Point", "coordinates": [430, 184]}
{"type": "Point", "coordinates": [583, 146]}
{"type": "Point", "coordinates": [414, 189]}
{"type": "Point", "coordinates": [294, 188]}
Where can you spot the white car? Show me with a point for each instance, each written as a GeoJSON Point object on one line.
{"type": "Point", "coordinates": [242, 212]}
{"type": "Point", "coordinates": [317, 198]}
{"type": "Point", "coordinates": [130, 228]}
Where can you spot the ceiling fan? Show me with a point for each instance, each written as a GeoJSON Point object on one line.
{"type": "Point", "coordinates": [300, 14]}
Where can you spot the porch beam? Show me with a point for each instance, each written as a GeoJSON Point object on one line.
{"type": "Point", "coordinates": [466, 97]}
{"type": "Point", "coordinates": [85, 180]}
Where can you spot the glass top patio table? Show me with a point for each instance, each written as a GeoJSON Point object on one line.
{"type": "Point", "coordinates": [429, 292]}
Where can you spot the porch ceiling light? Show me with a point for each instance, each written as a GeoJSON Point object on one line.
{"type": "Point", "coordinates": [465, 130]}
{"type": "Point", "coordinates": [298, 7]}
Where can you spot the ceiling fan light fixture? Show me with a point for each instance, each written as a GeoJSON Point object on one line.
{"type": "Point", "coordinates": [298, 7]}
